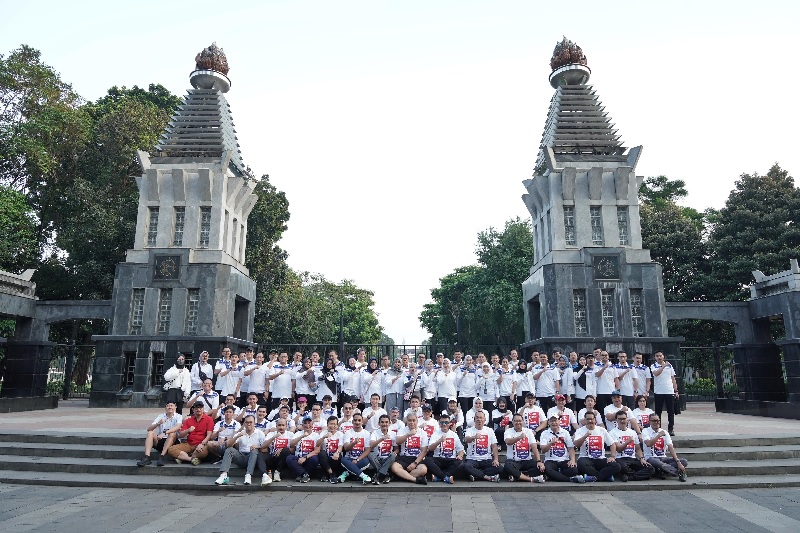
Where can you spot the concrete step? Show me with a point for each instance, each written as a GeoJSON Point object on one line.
{"type": "Point", "coordinates": [88, 439]}
{"type": "Point", "coordinates": [95, 451]}
{"type": "Point", "coordinates": [193, 483]}
{"type": "Point", "coordinates": [740, 453]}
{"type": "Point", "coordinates": [716, 441]}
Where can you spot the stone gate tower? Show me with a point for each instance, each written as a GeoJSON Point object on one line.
{"type": "Point", "coordinates": [183, 288]}
{"type": "Point", "coordinates": [592, 284]}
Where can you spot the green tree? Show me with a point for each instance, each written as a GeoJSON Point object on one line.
{"type": "Point", "coordinates": [758, 229]}
{"type": "Point", "coordinates": [19, 247]}
{"type": "Point", "coordinates": [485, 298]}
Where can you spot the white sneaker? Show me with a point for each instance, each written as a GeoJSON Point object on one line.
{"type": "Point", "coordinates": [222, 479]}
{"type": "Point", "coordinates": [276, 476]}
{"type": "Point", "coordinates": [265, 480]}
{"type": "Point", "coordinates": [248, 479]}
{"type": "Point", "coordinates": [538, 479]}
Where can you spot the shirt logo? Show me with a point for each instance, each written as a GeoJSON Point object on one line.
{"type": "Point", "coordinates": [448, 447]}
{"type": "Point", "coordinates": [413, 445]}
{"type": "Point", "coordinates": [595, 446]}
{"type": "Point", "coordinates": [482, 444]}
{"type": "Point", "coordinates": [522, 449]}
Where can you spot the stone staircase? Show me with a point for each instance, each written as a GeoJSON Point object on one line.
{"type": "Point", "coordinates": [109, 460]}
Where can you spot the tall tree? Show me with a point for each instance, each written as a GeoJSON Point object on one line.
{"type": "Point", "coordinates": [758, 229]}
{"type": "Point", "coordinates": [19, 247]}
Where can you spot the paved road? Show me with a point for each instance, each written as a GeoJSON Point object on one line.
{"type": "Point", "coordinates": [34, 508]}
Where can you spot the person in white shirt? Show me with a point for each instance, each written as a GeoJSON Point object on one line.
{"type": "Point", "coordinates": [585, 381]}
{"type": "Point", "coordinates": [629, 452]}
{"type": "Point", "coordinates": [262, 422]}
{"type": "Point", "coordinates": [482, 461]}
{"type": "Point", "coordinates": [523, 462]}
{"type": "Point", "coordinates": [659, 451]}
{"type": "Point", "coordinates": [415, 381]}
{"type": "Point", "coordinates": [448, 452]}
{"type": "Point", "coordinates": [486, 386]}
{"type": "Point", "coordinates": [616, 407]}
{"type": "Point", "coordinates": [506, 384]}
{"type": "Point", "coordinates": [533, 416]}
{"type": "Point", "coordinates": [524, 384]}
{"type": "Point", "coordinates": [642, 413]}
{"type": "Point", "coordinates": [395, 424]}
{"type": "Point", "coordinates": [230, 399]}
{"type": "Point", "coordinates": [305, 459]}
{"type": "Point", "coordinates": [566, 416]}
{"type": "Point", "coordinates": [281, 380]}
{"type": "Point", "coordinates": [429, 392]}
{"type": "Point", "coordinates": [178, 384]}
{"type": "Point", "coordinates": [230, 376]}
{"type": "Point", "coordinates": [242, 450]}
{"type": "Point", "coordinates": [477, 407]}
{"type": "Point", "coordinates": [445, 385]}
{"type": "Point", "coordinates": [548, 383]}
{"type": "Point", "coordinates": [606, 380]}
{"type": "Point", "coordinates": [559, 449]}
{"type": "Point", "coordinates": [589, 400]}
{"type": "Point", "coordinates": [412, 445]}
{"type": "Point", "coordinates": [246, 361]}
{"type": "Point", "coordinates": [201, 370]}
{"type": "Point", "coordinates": [328, 384]}
{"type": "Point", "coordinates": [276, 449]}
{"type": "Point", "coordinates": [566, 381]}
{"type": "Point", "coordinates": [643, 374]}
{"type": "Point", "coordinates": [592, 441]}
{"type": "Point", "coordinates": [373, 413]}
{"type": "Point", "coordinates": [394, 384]}
{"type": "Point", "coordinates": [371, 383]}
{"type": "Point", "coordinates": [356, 450]}
{"type": "Point", "coordinates": [258, 379]}
{"type": "Point", "coordinates": [415, 407]}
{"type": "Point", "coordinates": [628, 379]}
{"type": "Point", "coordinates": [208, 397]}
{"type": "Point", "coordinates": [330, 444]}
{"type": "Point", "coordinates": [251, 408]}
{"type": "Point", "coordinates": [350, 382]}
{"type": "Point", "coordinates": [346, 422]}
{"type": "Point", "coordinates": [306, 379]}
{"type": "Point", "coordinates": [161, 434]}
{"type": "Point", "coordinates": [222, 363]}
{"type": "Point", "coordinates": [223, 429]}
{"type": "Point", "coordinates": [382, 442]}
{"type": "Point", "coordinates": [665, 389]}
{"type": "Point", "coordinates": [466, 384]}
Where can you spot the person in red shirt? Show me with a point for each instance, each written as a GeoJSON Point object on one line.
{"type": "Point", "coordinates": [196, 429]}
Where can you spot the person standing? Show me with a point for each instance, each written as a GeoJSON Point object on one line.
{"type": "Point", "coordinates": [200, 371]}
{"type": "Point", "coordinates": [178, 384]}
{"type": "Point", "coordinates": [665, 389]}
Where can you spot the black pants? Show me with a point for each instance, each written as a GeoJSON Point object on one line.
{"type": "Point", "coordinates": [602, 401]}
{"type": "Point", "coordinates": [546, 402]}
{"type": "Point", "coordinates": [559, 471]}
{"type": "Point", "coordinates": [466, 403]}
{"type": "Point", "coordinates": [668, 401]}
{"type": "Point", "coordinates": [327, 463]}
{"type": "Point", "coordinates": [442, 467]}
{"type": "Point", "coordinates": [481, 468]}
{"type": "Point", "coordinates": [634, 469]}
{"type": "Point", "coordinates": [599, 468]}
{"type": "Point", "coordinates": [629, 402]}
{"type": "Point", "coordinates": [271, 461]}
{"type": "Point", "coordinates": [515, 468]}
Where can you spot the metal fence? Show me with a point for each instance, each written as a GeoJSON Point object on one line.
{"type": "Point", "coordinates": [70, 374]}
{"type": "Point", "coordinates": [391, 350]}
{"type": "Point", "coordinates": [709, 372]}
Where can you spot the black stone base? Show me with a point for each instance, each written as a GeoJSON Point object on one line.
{"type": "Point", "coordinates": [759, 408]}
{"type": "Point", "coordinates": [18, 405]}
{"type": "Point", "coordinates": [27, 365]}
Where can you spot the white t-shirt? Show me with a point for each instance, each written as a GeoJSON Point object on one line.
{"type": "Point", "coordinates": [546, 384]}
{"type": "Point", "coordinates": [626, 381]}
{"type": "Point", "coordinates": [662, 383]}
{"type": "Point", "coordinates": [559, 449]}
{"type": "Point", "coordinates": [533, 417]}
{"type": "Point", "coordinates": [429, 426]}
{"type": "Point", "coordinates": [480, 449]}
{"type": "Point", "coordinates": [604, 382]}
{"type": "Point", "coordinates": [643, 416]}
{"type": "Point", "coordinates": [280, 442]}
{"type": "Point", "coordinates": [486, 386]}
{"type": "Point", "coordinates": [449, 444]}
{"type": "Point", "coordinates": [642, 373]}
{"type": "Point", "coordinates": [360, 441]}
{"type": "Point", "coordinates": [397, 426]}
{"type": "Point", "coordinates": [412, 446]}
{"type": "Point", "coordinates": [446, 384]}
{"type": "Point", "coordinates": [520, 450]}
{"type": "Point", "coordinates": [470, 417]}
{"type": "Point", "coordinates": [333, 443]}
{"type": "Point", "coordinates": [660, 447]}
{"type": "Point", "coordinates": [165, 423]}
{"type": "Point", "coordinates": [611, 409]}
{"type": "Point", "coordinates": [594, 447]}
{"type": "Point", "coordinates": [506, 383]}
{"type": "Point", "coordinates": [628, 451]}
{"type": "Point", "coordinates": [467, 383]}
{"type": "Point", "coordinates": [301, 385]}
{"type": "Point", "coordinates": [258, 379]}
{"type": "Point", "coordinates": [565, 418]}
{"type": "Point", "coordinates": [374, 417]}
{"type": "Point", "coordinates": [281, 384]}
{"type": "Point", "coordinates": [253, 442]}
{"type": "Point", "coordinates": [306, 444]}
{"type": "Point", "coordinates": [383, 448]}
{"type": "Point", "coordinates": [505, 418]}
{"type": "Point", "coordinates": [226, 430]}
{"type": "Point", "coordinates": [582, 414]}
{"type": "Point", "coordinates": [345, 425]}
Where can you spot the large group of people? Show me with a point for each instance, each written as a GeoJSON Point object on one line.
{"type": "Point", "coordinates": [570, 418]}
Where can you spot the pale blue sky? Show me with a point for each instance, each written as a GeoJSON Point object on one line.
{"type": "Point", "coordinates": [399, 130]}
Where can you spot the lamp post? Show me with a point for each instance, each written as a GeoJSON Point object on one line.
{"type": "Point", "coordinates": [341, 331]}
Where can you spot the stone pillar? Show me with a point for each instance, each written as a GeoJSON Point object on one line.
{"type": "Point", "coordinates": [759, 372]}
{"type": "Point", "coordinates": [791, 362]}
{"type": "Point", "coordinates": [27, 368]}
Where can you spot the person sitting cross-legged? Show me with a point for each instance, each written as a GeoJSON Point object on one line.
{"type": "Point", "coordinates": [305, 460]}
{"type": "Point", "coordinates": [628, 451]}
{"type": "Point", "coordinates": [196, 429]}
{"type": "Point", "coordinates": [161, 434]}
{"type": "Point", "coordinates": [523, 462]}
{"type": "Point", "coordinates": [242, 450]}
{"type": "Point", "coordinates": [559, 460]}
{"type": "Point", "coordinates": [412, 443]}
{"type": "Point", "coordinates": [448, 452]}
{"type": "Point", "coordinates": [382, 457]}
{"type": "Point", "coordinates": [482, 461]}
{"type": "Point", "coordinates": [659, 451]}
{"type": "Point", "coordinates": [592, 440]}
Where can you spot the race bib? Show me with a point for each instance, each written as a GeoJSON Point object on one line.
{"type": "Point", "coordinates": [594, 446]}
{"type": "Point", "coordinates": [658, 447]}
{"type": "Point", "coordinates": [306, 446]}
{"type": "Point", "coordinates": [533, 419]}
{"type": "Point", "coordinates": [557, 448]}
{"type": "Point", "coordinates": [333, 445]}
{"type": "Point", "coordinates": [522, 449]}
{"type": "Point", "coordinates": [482, 444]}
{"type": "Point", "coordinates": [448, 447]}
{"type": "Point", "coordinates": [413, 445]}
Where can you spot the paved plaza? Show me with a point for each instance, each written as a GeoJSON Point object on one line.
{"type": "Point", "coordinates": [29, 508]}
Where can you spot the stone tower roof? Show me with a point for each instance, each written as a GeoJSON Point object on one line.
{"type": "Point", "coordinates": [202, 128]}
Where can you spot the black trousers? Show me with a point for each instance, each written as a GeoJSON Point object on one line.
{"type": "Point", "coordinates": [515, 468]}
{"type": "Point", "coordinates": [559, 471]}
{"type": "Point", "coordinates": [442, 467]}
{"type": "Point", "coordinates": [668, 401]}
{"type": "Point", "coordinates": [634, 468]}
{"type": "Point", "coordinates": [599, 468]}
{"type": "Point", "coordinates": [481, 468]}
{"type": "Point", "coordinates": [327, 463]}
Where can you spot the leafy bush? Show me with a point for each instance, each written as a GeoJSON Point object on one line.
{"type": "Point", "coordinates": [701, 387]}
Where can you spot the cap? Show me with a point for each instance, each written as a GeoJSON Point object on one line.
{"type": "Point", "coordinates": [560, 397]}
{"type": "Point", "coordinates": [426, 407]}
{"type": "Point", "coordinates": [395, 409]}
{"type": "Point", "coordinates": [306, 419]}
{"type": "Point", "coordinates": [302, 399]}
{"type": "Point", "coordinates": [616, 393]}
{"type": "Point", "coordinates": [451, 400]}
{"type": "Point", "coordinates": [198, 404]}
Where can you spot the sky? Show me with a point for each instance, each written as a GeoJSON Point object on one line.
{"type": "Point", "coordinates": [399, 130]}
